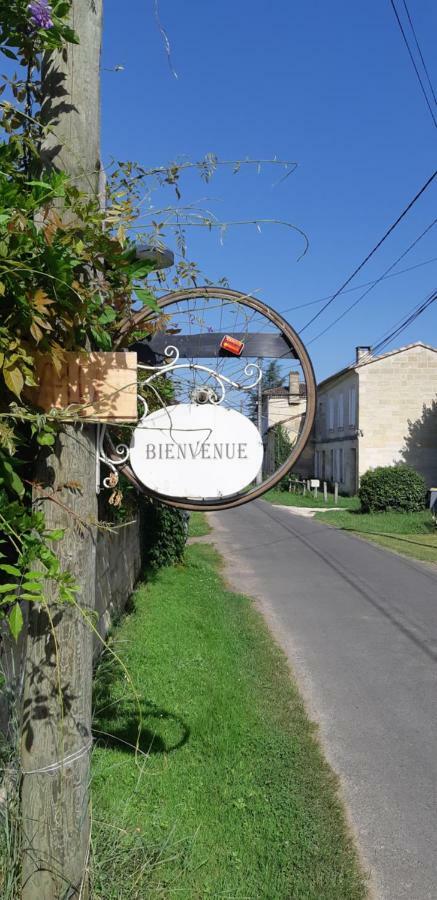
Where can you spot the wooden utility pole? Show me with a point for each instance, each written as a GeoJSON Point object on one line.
{"type": "Point", "coordinates": [56, 720]}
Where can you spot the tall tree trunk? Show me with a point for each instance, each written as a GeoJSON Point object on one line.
{"type": "Point", "coordinates": [56, 722]}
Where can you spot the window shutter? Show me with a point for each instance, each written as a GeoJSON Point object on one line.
{"type": "Point", "coordinates": [341, 411]}
{"type": "Point", "coordinates": [352, 406]}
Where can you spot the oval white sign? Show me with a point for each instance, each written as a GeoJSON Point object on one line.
{"type": "Point", "coordinates": [196, 452]}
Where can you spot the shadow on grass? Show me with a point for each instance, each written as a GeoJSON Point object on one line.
{"type": "Point", "coordinates": [161, 731]}
{"type": "Point", "coordinates": [116, 719]}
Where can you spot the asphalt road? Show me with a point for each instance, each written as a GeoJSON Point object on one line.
{"type": "Point", "coordinates": [359, 626]}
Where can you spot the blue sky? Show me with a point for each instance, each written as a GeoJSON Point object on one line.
{"type": "Point", "coordinates": [327, 85]}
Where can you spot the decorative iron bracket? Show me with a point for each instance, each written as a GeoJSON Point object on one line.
{"type": "Point", "coordinates": [171, 352]}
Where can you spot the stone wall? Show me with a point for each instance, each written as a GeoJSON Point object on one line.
{"type": "Point", "coordinates": [118, 567]}
{"type": "Point", "coordinates": [336, 432]}
{"type": "Point", "coordinates": [398, 411]}
{"type": "Point", "coordinates": [119, 564]}
{"type": "Point", "coordinates": [378, 414]}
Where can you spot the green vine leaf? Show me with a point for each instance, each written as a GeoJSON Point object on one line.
{"type": "Point", "coordinates": [15, 620]}
{"type": "Point", "coordinates": [10, 570]}
{"type": "Point", "coordinates": [55, 535]}
{"type": "Point", "coordinates": [46, 439]}
{"type": "Point", "coordinates": [11, 477]}
{"type": "Point", "coordinates": [32, 586]}
{"type": "Point", "coordinates": [147, 299]}
{"type": "Point", "coordinates": [8, 599]}
{"type": "Point", "coordinates": [14, 380]}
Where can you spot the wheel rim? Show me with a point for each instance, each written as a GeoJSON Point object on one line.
{"type": "Point", "coordinates": [140, 318]}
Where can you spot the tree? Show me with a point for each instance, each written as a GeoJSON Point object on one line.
{"type": "Point", "coordinates": [271, 378]}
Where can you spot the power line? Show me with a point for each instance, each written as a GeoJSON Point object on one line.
{"type": "Point", "coordinates": [414, 63]}
{"type": "Point", "coordinates": [402, 325]}
{"type": "Point", "coordinates": [420, 52]}
{"type": "Point", "coordinates": [373, 284]}
{"type": "Point", "coordinates": [372, 252]}
{"type": "Point", "coordinates": [408, 321]}
{"type": "Point", "coordinates": [395, 325]}
{"type": "Point", "coordinates": [426, 262]}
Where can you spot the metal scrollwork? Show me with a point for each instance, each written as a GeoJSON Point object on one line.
{"type": "Point", "coordinates": [211, 396]}
{"type": "Point", "coordinates": [221, 380]}
{"type": "Point", "coordinates": [122, 451]}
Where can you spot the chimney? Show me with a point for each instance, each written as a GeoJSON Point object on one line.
{"type": "Point", "coordinates": [361, 353]}
{"type": "Point", "coordinates": [293, 387]}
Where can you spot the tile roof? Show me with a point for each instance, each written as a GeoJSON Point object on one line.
{"type": "Point", "coordinates": [283, 391]}
{"type": "Point", "coordinates": [371, 359]}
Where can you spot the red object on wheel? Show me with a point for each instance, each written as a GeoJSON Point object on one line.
{"type": "Point", "coordinates": [232, 345]}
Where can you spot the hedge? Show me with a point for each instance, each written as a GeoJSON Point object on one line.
{"type": "Point", "coordinates": [392, 488]}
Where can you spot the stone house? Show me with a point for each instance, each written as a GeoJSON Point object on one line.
{"type": "Point", "coordinates": [379, 411]}
{"type": "Point", "coordinates": [285, 406]}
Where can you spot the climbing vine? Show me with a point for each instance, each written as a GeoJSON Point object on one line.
{"type": "Point", "coordinates": [69, 275]}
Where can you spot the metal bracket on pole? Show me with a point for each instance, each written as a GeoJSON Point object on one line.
{"type": "Point", "coordinates": [98, 437]}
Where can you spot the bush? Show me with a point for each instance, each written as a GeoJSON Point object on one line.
{"type": "Point", "coordinates": [165, 534]}
{"type": "Point", "coordinates": [398, 488]}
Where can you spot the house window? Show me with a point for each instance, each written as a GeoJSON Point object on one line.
{"type": "Point", "coordinates": [331, 414]}
{"type": "Point", "coordinates": [331, 454]}
{"type": "Point", "coordinates": [352, 406]}
{"type": "Point", "coordinates": [341, 411]}
{"type": "Point", "coordinates": [340, 466]}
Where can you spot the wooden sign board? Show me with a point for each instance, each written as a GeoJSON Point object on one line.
{"type": "Point", "coordinates": [97, 386]}
{"type": "Point", "coordinates": [267, 345]}
{"type": "Point", "coordinates": [196, 451]}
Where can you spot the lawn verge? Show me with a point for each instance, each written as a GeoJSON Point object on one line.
{"type": "Point", "coordinates": [308, 500]}
{"type": "Point", "coordinates": [230, 796]}
{"type": "Point", "coordinates": [411, 534]}
{"type": "Point", "coordinates": [198, 525]}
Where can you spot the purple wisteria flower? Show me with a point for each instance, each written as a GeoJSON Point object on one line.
{"type": "Point", "coordinates": [40, 13]}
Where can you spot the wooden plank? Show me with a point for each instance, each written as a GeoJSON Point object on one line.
{"type": "Point", "coordinates": [207, 346]}
{"type": "Point", "coordinates": [97, 386]}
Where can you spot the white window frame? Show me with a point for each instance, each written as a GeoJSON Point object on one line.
{"type": "Point", "coordinates": [331, 410]}
{"type": "Point", "coordinates": [341, 411]}
{"type": "Point", "coordinates": [352, 406]}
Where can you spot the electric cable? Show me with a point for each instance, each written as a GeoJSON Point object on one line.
{"type": "Point", "coordinates": [420, 52]}
{"type": "Point", "coordinates": [425, 262]}
{"type": "Point", "coordinates": [396, 330]}
{"type": "Point", "coordinates": [405, 324]}
{"type": "Point", "coordinates": [414, 63]}
{"type": "Point", "coordinates": [372, 252]}
{"type": "Point", "coordinates": [373, 284]}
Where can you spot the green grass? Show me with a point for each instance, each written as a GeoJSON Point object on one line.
{"type": "Point", "coordinates": [233, 798]}
{"type": "Point", "coordinates": [198, 525]}
{"type": "Point", "coordinates": [412, 534]}
{"type": "Point", "coordinates": [287, 498]}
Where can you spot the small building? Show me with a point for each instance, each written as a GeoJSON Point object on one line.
{"type": "Point", "coordinates": [285, 406]}
{"type": "Point", "coordinates": [378, 411]}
